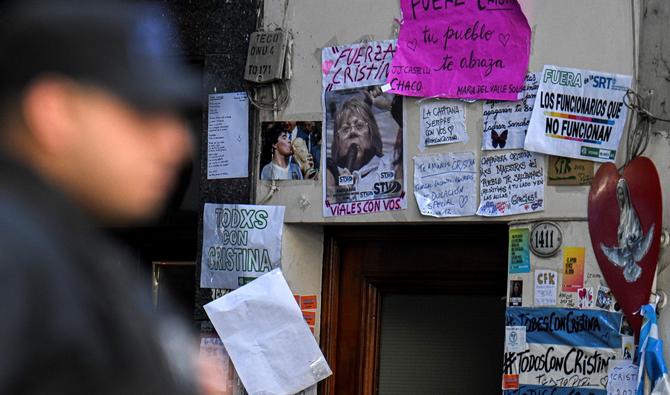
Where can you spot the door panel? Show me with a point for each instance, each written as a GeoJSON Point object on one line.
{"type": "Point", "coordinates": [362, 264]}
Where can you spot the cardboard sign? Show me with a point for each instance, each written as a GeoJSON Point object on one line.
{"type": "Point", "coordinates": [461, 49]}
{"type": "Point", "coordinates": [569, 171]}
{"type": "Point", "coordinates": [265, 58]}
{"type": "Point", "coordinates": [511, 183]}
{"type": "Point", "coordinates": [239, 243]}
{"type": "Point", "coordinates": [578, 114]}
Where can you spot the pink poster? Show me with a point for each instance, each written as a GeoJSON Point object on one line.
{"type": "Point", "coordinates": [466, 49]}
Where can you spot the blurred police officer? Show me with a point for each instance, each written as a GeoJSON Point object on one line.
{"type": "Point", "coordinates": [89, 136]}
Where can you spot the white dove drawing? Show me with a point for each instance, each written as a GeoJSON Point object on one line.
{"type": "Point", "coordinates": [633, 243]}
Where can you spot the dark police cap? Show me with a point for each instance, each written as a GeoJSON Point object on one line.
{"type": "Point", "coordinates": [120, 46]}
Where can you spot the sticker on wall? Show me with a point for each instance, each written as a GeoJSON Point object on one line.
{"type": "Point", "coordinates": [605, 299]}
{"type": "Point", "coordinates": [573, 269]}
{"type": "Point", "coordinates": [518, 255]}
{"type": "Point", "coordinates": [462, 49]}
{"type": "Point", "coordinates": [546, 285]}
{"type": "Point", "coordinates": [627, 347]}
{"type": "Point", "coordinates": [515, 338]}
{"type": "Point", "coordinates": [569, 171]}
{"type": "Point", "coordinates": [505, 123]}
{"type": "Point", "coordinates": [442, 122]}
{"type": "Point", "coordinates": [515, 298]}
{"type": "Point", "coordinates": [511, 183]}
{"type": "Point", "coordinates": [578, 114]}
{"type": "Point", "coordinates": [585, 296]}
{"type": "Point", "coordinates": [444, 184]}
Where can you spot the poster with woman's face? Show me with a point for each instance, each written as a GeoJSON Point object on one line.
{"type": "Point", "coordinates": [291, 150]}
{"type": "Point", "coordinates": [364, 166]}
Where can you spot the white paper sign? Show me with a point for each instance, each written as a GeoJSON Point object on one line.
{"type": "Point", "coordinates": [444, 184]}
{"type": "Point", "coordinates": [622, 378]}
{"type": "Point", "coordinates": [239, 243]}
{"type": "Point", "coordinates": [442, 122]}
{"type": "Point", "coordinates": [546, 284]}
{"type": "Point", "coordinates": [266, 337]}
{"type": "Point", "coordinates": [578, 114]}
{"type": "Point", "coordinates": [356, 65]}
{"type": "Point", "coordinates": [515, 339]}
{"type": "Point", "coordinates": [505, 123]}
{"type": "Point", "coordinates": [228, 136]}
{"type": "Point", "coordinates": [511, 183]}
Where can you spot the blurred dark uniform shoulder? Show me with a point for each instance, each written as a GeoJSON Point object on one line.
{"type": "Point", "coordinates": [74, 320]}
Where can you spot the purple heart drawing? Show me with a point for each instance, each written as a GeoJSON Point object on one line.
{"type": "Point", "coordinates": [412, 45]}
{"type": "Point", "coordinates": [504, 38]}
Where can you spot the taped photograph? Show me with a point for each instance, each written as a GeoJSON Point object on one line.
{"type": "Point", "coordinates": [290, 150]}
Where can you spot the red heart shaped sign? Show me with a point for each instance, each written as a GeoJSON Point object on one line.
{"type": "Point", "coordinates": [625, 228]}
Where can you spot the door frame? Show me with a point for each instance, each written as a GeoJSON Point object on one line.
{"type": "Point", "coordinates": [339, 330]}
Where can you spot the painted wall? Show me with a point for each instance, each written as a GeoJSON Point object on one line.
{"type": "Point", "coordinates": [595, 34]}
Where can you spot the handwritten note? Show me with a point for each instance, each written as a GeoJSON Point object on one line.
{"type": "Point", "coordinates": [356, 65]}
{"type": "Point", "coordinates": [444, 184]}
{"type": "Point", "coordinates": [228, 136]}
{"type": "Point", "coordinates": [506, 123]}
{"type": "Point", "coordinates": [442, 122]}
{"type": "Point", "coordinates": [622, 378]}
{"type": "Point", "coordinates": [461, 49]}
{"type": "Point", "coordinates": [546, 284]}
{"type": "Point", "coordinates": [511, 183]}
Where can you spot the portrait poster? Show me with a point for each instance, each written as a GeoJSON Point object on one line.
{"type": "Point", "coordinates": [461, 50]}
{"type": "Point", "coordinates": [578, 114]}
{"type": "Point", "coordinates": [240, 242]}
{"type": "Point", "coordinates": [363, 155]}
{"type": "Point", "coordinates": [290, 150]}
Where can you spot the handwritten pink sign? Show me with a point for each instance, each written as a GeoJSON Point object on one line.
{"type": "Point", "coordinates": [466, 49]}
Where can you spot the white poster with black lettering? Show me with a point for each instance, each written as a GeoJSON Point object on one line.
{"type": "Point", "coordinates": [228, 135]}
{"type": "Point", "coordinates": [505, 122]}
{"type": "Point", "coordinates": [511, 183]}
{"type": "Point", "coordinates": [578, 114]}
{"type": "Point", "coordinates": [444, 184]}
{"type": "Point", "coordinates": [239, 243]}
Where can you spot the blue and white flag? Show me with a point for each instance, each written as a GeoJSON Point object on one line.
{"type": "Point", "coordinates": [649, 355]}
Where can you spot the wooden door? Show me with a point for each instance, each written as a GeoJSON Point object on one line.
{"type": "Point", "coordinates": [363, 263]}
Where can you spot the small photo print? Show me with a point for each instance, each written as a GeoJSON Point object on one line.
{"type": "Point", "coordinates": [605, 298]}
{"type": "Point", "coordinates": [290, 150]}
{"type": "Point", "coordinates": [515, 293]}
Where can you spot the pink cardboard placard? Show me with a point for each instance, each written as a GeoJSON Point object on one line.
{"type": "Point", "coordinates": [465, 49]}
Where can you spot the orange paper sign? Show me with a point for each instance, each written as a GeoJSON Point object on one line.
{"type": "Point", "coordinates": [308, 302]}
{"type": "Point", "coordinates": [573, 269]}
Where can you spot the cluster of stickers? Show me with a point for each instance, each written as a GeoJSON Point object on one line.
{"type": "Point", "coordinates": [564, 330]}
